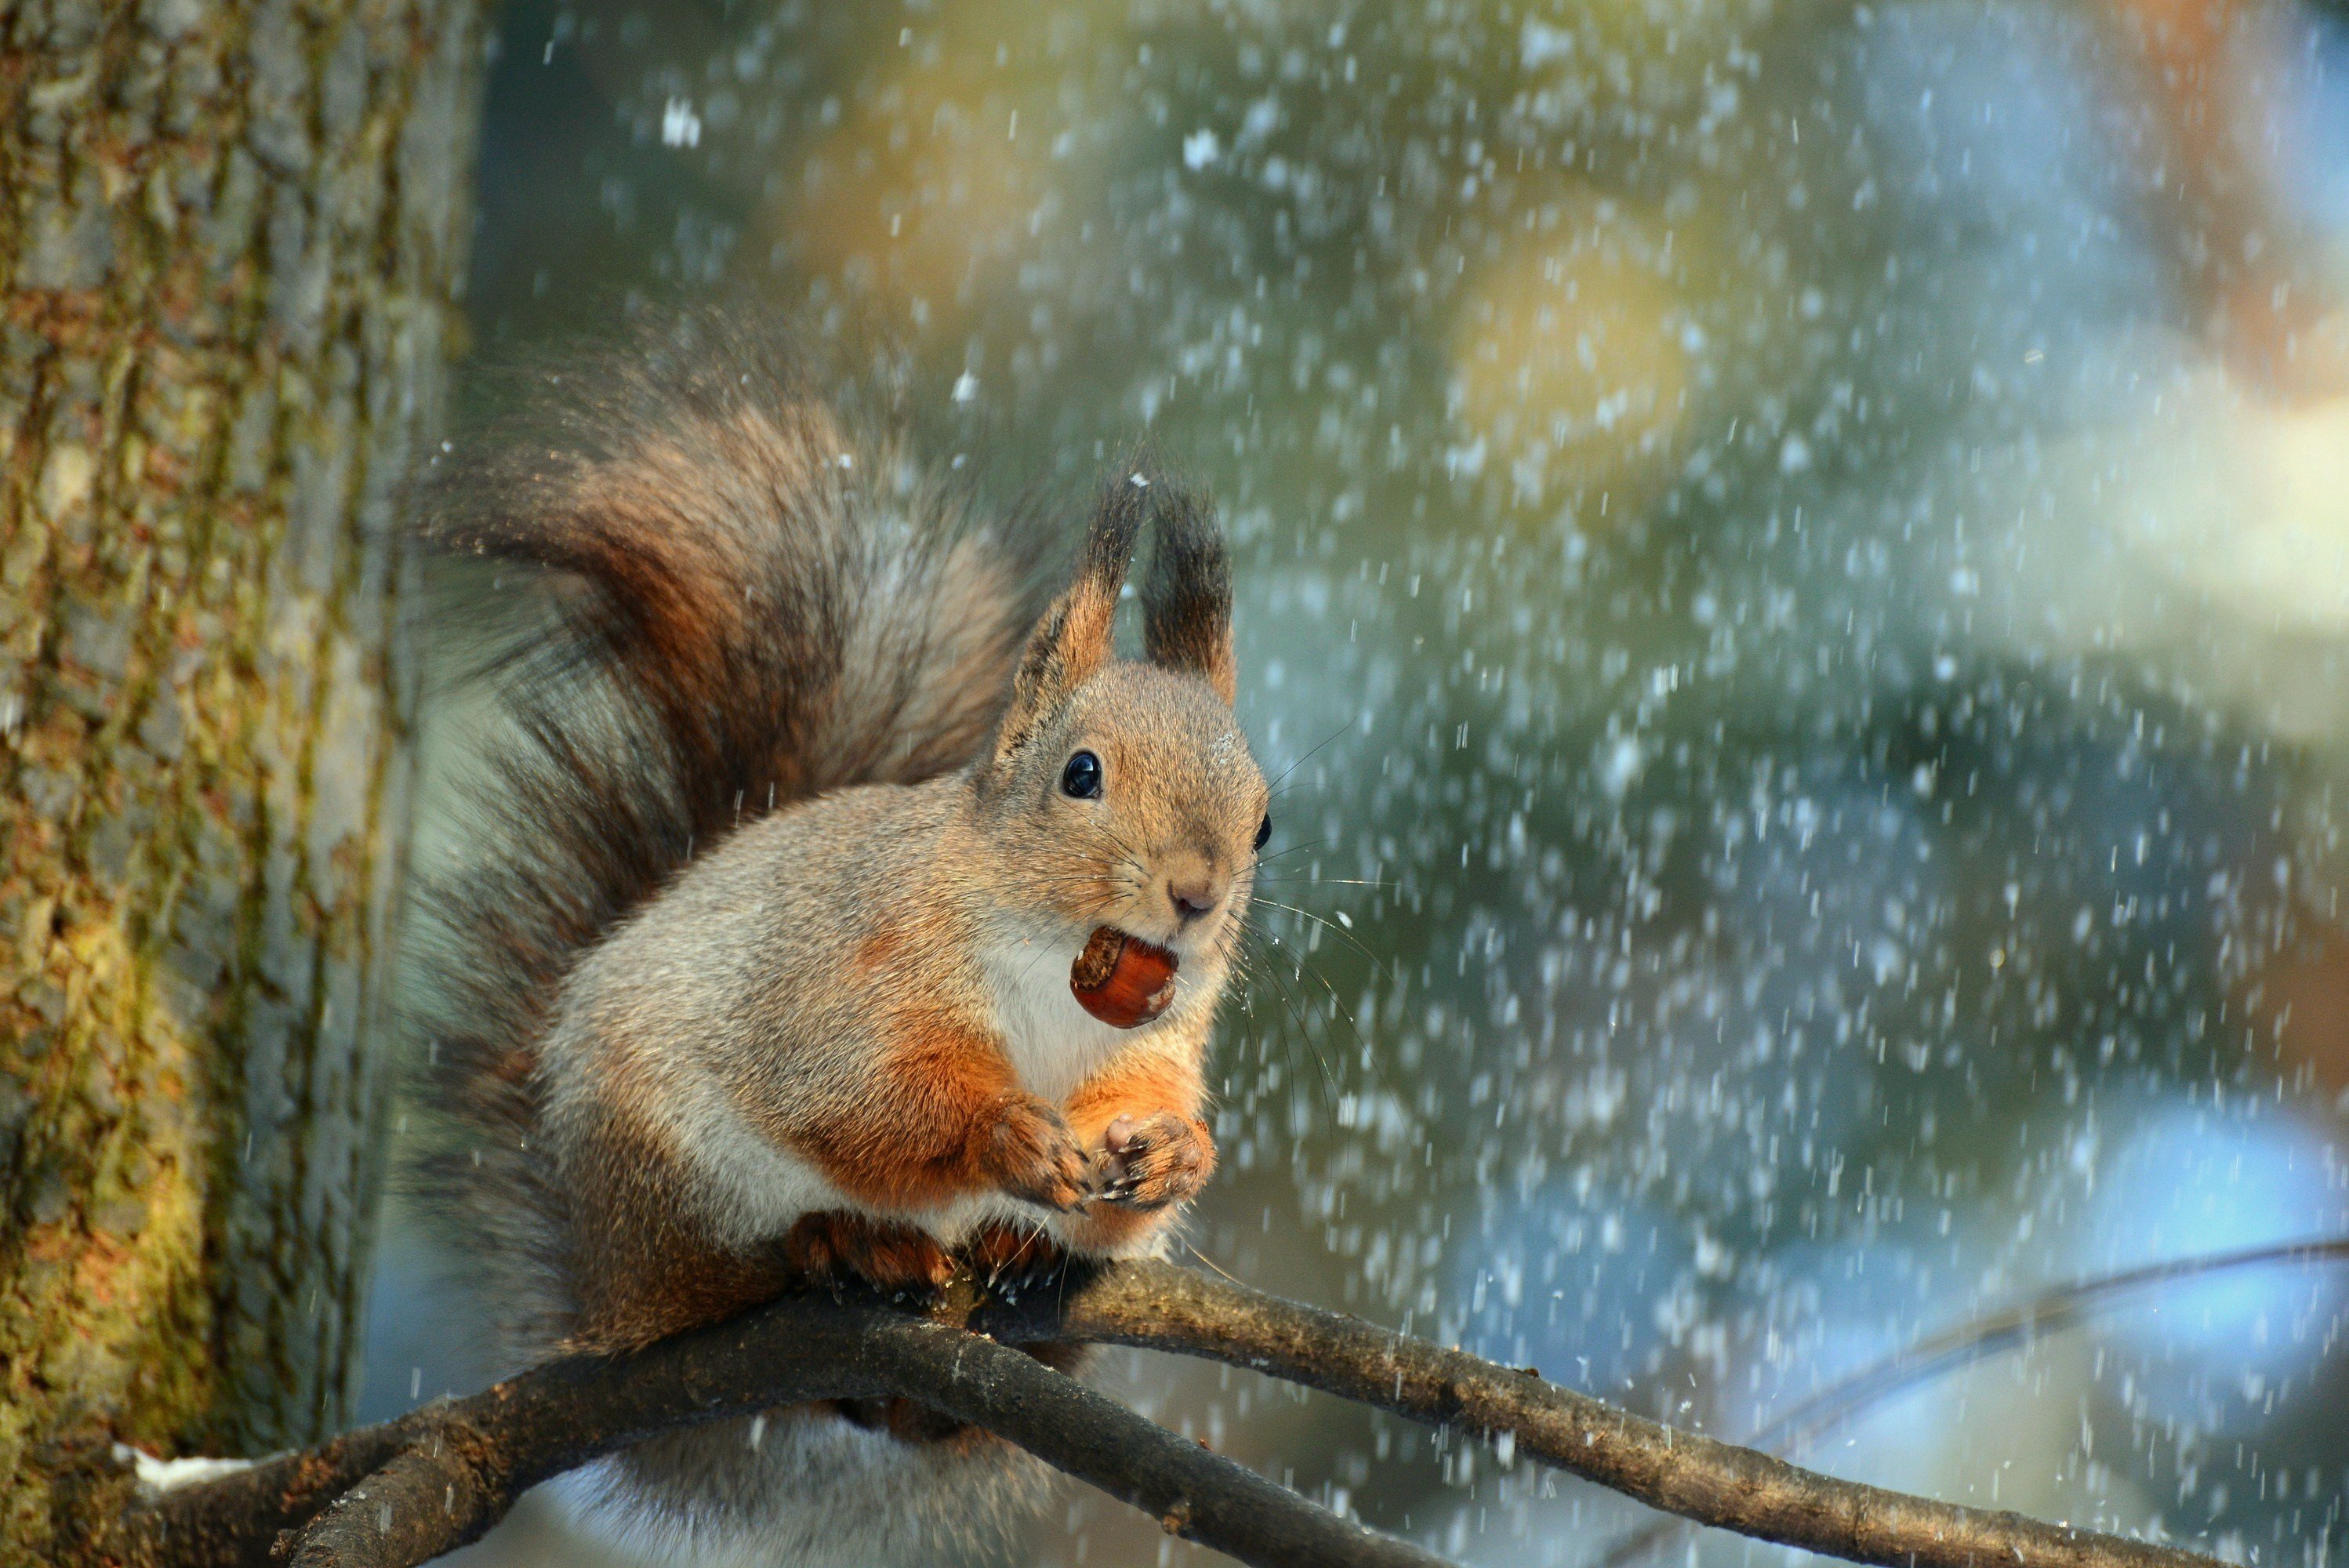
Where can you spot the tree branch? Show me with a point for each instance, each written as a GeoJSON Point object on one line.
{"type": "Point", "coordinates": [1696, 1476]}
{"type": "Point", "coordinates": [394, 1495]}
{"type": "Point", "coordinates": [398, 1494]}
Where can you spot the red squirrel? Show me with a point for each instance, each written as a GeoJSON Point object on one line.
{"type": "Point", "coordinates": [847, 909]}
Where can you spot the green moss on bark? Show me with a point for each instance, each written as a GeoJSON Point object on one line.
{"type": "Point", "coordinates": [230, 232]}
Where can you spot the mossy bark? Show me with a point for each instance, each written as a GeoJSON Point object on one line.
{"type": "Point", "coordinates": [230, 235]}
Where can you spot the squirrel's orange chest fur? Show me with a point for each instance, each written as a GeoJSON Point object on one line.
{"type": "Point", "coordinates": [938, 1079]}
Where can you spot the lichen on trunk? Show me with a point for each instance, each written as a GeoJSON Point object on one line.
{"type": "Point", "coordinates": [230, 236]}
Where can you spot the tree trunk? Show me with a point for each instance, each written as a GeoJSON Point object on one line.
{"type": "Point", "coordinates": [230, 236]}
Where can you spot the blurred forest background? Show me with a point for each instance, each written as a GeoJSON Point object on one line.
{"type": "Point", "coordinates": [1795, 555]}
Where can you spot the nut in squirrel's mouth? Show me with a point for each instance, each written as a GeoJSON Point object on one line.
{"type": "Point", "coordinates": [1123, 980]}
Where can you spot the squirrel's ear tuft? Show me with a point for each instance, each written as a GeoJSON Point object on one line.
{"type": "Point", "coordinates": [1186, 598]}
{"type": "Point", "coordinates": [1073, 638]}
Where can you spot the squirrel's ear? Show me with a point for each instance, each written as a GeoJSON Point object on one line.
{"type": "Point", "coordinates": [1073, 638]}
{"type": "Point", "coordinates": [1186, 598]}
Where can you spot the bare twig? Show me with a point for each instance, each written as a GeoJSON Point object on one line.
{"type": "Point", "coordinates": [2048, 1313]}
{"type": "Point", "coordinates": [391, 1496]}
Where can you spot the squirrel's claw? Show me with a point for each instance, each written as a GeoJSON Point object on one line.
{"type": "Point", "coordinates": [1010, 1259]}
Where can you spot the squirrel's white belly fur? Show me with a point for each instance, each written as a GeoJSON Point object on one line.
{"type": "Point", "coordinates": [1052, 1042]}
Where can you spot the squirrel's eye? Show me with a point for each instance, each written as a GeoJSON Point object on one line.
{"type": "Point", "coordinates": [1264, 830]}
{"type": "Point", "coordinates": [1081, 777]}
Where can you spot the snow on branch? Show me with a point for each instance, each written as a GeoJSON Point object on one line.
{"type": "Point", "coordinates": [394, 1495]}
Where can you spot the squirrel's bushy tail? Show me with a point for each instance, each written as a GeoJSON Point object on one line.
{"type": "Point", "coordinates": [736, 599]}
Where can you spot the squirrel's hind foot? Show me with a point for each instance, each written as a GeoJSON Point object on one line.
{"type": "Point", "coordinates": [835, 1249]}
{"type": "Point", "coordinates": [1010, 1259]}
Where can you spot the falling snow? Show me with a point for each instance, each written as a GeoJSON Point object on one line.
{"type": "Point", "coordinates": [1802, 635]}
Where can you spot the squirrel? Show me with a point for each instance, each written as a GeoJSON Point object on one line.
{"type": "Point", "coordinates": [849, 910]}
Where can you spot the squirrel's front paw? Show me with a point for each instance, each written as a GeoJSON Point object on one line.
{"type": "Point", "coordinates": [1030, 1153]}
{"type": "Point", "coordinates": [832, 1248]}
{"type": "Point", "coordinates": [1162, 1159]}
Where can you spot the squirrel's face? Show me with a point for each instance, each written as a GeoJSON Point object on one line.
{"type": "Point", "coordinates": [1123, 793]}
{"type": "Point", "coordinates": [1137, 805]}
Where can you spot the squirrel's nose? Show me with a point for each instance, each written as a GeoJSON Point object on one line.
{"type": "Point", "coordinates": [1193, 896]}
